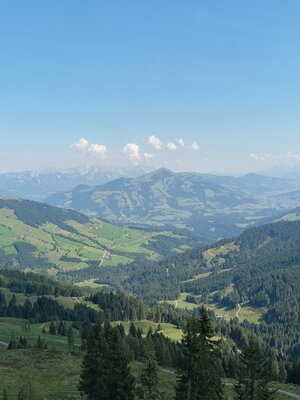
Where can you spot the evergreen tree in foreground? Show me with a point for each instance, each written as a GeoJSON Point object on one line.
{"type": "Point", "coordinates": [71, 338]}
{"type": "Point", "coordinates": [254, 374]}
{"type": "Point", "coordinates": [149, 375]}
{"type": "Point", "coordinates": [200, 378]}
{"type": "Point", "coordinates": [52, 328]}
{"type": "Point", "coordinates": [105, 372]}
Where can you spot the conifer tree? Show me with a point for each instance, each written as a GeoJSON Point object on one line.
{"type": "Point", "coordinates": [40, 344]}
{"type": "Point", "coordinates": [23, 342]}
{"type": "Point", "coordinates": [71, 338]}
{"type": "Point", "coordinates": [62, 330]}
{"type": "Point", "coordinates": [200, 378]}
{"type": "Point", "coordinates": [149, 375]}
{"type": "Point", "coordinates": [105, 372]}
{"type": "Point", "coordinates": [12, 343]}
{"type": "Point", "coordinates": [254, 374]}
{"type": "Point", "coordinates": [52, 328]}
{"type": "Point", "coordinates": [2, 304]}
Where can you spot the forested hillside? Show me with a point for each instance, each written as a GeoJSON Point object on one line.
{"type": "Point", "coordinates": [261, 273]}
{"type": "Point", "coordinates": [203, 204]}
{"type": "Point", "coordinates": [39, 237]}
{"type": "Point", "coordinates": [249, 284]}
{"type": "Point", "coordinates": [254, 277]}
{"type": "Point", "coordinates": [43, 333]}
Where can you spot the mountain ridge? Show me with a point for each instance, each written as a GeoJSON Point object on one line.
{"type": "Point", "coordinates": [204, 204]}
{"type": "Point", "coordinates": [37, 185]}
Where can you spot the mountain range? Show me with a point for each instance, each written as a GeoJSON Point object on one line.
{"type": "Point", "coordinates": [200, 204]}
{"type": "Point", "coordinates": [37, 185]}
{"type": "Point", "coordinates": [251, 281]}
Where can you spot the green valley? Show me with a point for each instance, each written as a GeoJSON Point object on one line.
{"type": "Point", "coordinates": [35, 236]}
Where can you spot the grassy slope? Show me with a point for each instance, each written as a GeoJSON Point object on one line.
{"type": "Point", "coordinates": [168, 330]}
{"type": "Point", "coordinates": [89, 242]}
{"type": "Point", "coordinates": [244, 312]}
{"type": "Point", "coordinates": [65, 301]}
{"type": "Point", "coordinates": [55, 374]}
{"type": "Point", "coordinates": [15, 326]}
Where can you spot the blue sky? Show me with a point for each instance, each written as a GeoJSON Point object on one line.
{"type": "Point", "coordinates": [223, 76]}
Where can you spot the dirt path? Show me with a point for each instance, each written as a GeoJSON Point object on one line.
{"type": "Point", "coordinates": [77, 299]}
{"type": "Point", "coordinates": [168, 371]}
{"type": "Point", "coordinates": [292, 395]}
{"type": "Point", "coordinates": [238, 311]}
{"type": "Point", "coordinates": [285, 392]}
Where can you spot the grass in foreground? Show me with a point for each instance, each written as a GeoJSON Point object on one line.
{"type": "Point", "coordinates": [55, 375]}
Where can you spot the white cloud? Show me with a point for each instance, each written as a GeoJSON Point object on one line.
{"type": "Point", "coordinates": [194, 146]}
{"type": "Point", "coordinates": [158, 144]}
{"type": "Point", "coordinates": [293, 155]}
{"type": "Point", "coordinates": [155, 142]}
{"type": "Point", "coordinates": [81, 144]}
{"type": "Point", "coordinates": [171, 146]}
{"type": "Point", "coordinates": [132, 151]}
{"type": "Point", "coordinates": [148, 156]}
{"type": "Point", "coordinates": [180, 141]}
{"type": "Point", "coordinates": [273, 157]}
{"type": "Point", "coordinates": [262, 157]}
{"type": "Point", "coordinates": [99, 149]}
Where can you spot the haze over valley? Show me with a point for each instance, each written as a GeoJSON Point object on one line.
{"type": "Point", "coordinates": [149, 200]}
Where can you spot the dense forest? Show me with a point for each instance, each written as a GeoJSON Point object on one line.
{"type": "Point", "coordinates": [263, 271]}
{"type": "Point", "coordinates": [151, 281]}
{"type": "Point", "coordinates": [261, 268]}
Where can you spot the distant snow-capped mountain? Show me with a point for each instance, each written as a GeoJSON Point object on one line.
{"type": "Point", "coordinates": [37, 185]}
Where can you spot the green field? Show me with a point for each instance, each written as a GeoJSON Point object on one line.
{"type": "Point", "coordinates": [182, 303]}
{"type": "Point", "coordinates": [15, 327]}
{"type": "Point", "coordinates": [168, 330]}
{"type": "Point", "coordinates": [74, 247]}
{"type": "Point", "coordinates": [244, 312]}
{"type": "Point", "coordinates": [55, 375]}
{"type": "Point", "coordinates": [66, 302]}
{"type": "Point", "coordinates": [217, 252]}
{"type": "Point", "coordinates": [289, 217]}
{"type": "Point", "coordinates": [55, 372]}
{"type": "Point", "coordinates": [90, 283]}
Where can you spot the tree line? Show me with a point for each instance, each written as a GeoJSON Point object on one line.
{"type": "Point", "coordinates": [106, 372]}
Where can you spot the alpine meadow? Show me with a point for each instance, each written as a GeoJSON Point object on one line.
{"type": "Point", "coordinates": [149, 200]}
